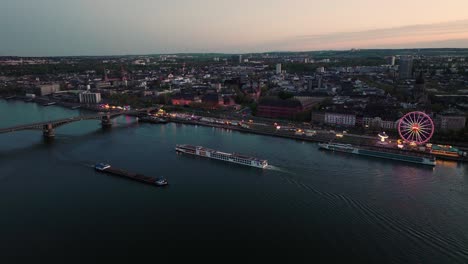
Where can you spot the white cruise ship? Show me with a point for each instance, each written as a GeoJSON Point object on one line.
{"type": "Point", "coordinates": [229, 157]}
{"type": "Point", "coordinates": [383, 153]}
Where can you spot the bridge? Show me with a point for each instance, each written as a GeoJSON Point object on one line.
{"type": "Point", "coordinates": [48, 127]}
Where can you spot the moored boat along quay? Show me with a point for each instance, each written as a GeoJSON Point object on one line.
{"type": "Point", "coordinates": [318, 138]}
{"type": "Point", "coordinates": [291, 132]}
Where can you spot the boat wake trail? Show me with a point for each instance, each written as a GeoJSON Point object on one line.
{"type": "Point", "coordinates": [274, 168]}
{"type": "Point", "coordinates": [362, 211]}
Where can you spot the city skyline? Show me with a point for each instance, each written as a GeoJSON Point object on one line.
{"type": "Point", "coordinates": [72, 28]}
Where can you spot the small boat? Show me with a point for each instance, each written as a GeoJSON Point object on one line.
{"type": "Point", "coordinates": [161, 182]}
{"type": "Point", "coordinates": [75, 107]}
{"type": "Point", "coordinates": [101, 166]}
{"type": "Point", "coordinates": [49, 104]}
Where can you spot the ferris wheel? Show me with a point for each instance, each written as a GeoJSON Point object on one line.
{"type": "Point", "coordinates": [416, 127]}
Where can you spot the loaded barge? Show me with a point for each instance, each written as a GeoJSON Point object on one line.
{"type": "Point", "coordinates": [106, 168]}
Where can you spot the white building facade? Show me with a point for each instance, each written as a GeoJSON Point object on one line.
{"type": "Point", "coordinates": [90, 98]}
{"type": "Point", "coordinates": [340, 119]}
{"type": "Point", "coordinates": [278, 68]}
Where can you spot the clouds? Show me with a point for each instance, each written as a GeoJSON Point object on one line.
{"type": "Point", "coordinates": [114, 27]}
{"type": "Point", "coordinates": [439, 35]}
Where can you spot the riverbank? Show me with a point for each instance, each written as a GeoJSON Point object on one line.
{"type": "Point", "coordinates": [68, 105]}
{"type": "Point", "coordinates": [318, 138]}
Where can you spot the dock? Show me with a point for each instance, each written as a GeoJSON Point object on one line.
{"type": "Point", "coordinates": [133, 176]}
{"type": "Point", "coordinates": [151, 119]}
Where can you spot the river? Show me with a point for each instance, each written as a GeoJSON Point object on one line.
{"type": "Point", "coordinates": [309, 203]}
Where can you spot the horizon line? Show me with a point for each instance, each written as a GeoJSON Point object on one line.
{"type": "Point", "coordinates": [246, 53]}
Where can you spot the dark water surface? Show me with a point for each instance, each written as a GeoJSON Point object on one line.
{"type": "Point", "coordinates": [311, 203]}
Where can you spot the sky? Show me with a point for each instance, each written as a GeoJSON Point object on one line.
{"type": "Point", "coordinates": [121, 27]}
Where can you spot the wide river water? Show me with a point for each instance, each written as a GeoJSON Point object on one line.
{"type": "Point", "coordinates": [309, 203]}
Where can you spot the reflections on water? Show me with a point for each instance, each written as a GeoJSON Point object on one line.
{"type": "Point", "coordinates": [365, 208]}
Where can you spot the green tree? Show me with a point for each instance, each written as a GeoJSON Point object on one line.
{"type": "Point", "coordinates": [253, 107]}
{"type": "Point", "coordinates": [163, 99]}
{"type": "Point", "coordinates": [285, 95]}
{"type": "Point", "coordinates": [437, 107]}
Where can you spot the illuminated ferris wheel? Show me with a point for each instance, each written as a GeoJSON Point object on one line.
{"type": "Point", "coordinates": [416, 127]}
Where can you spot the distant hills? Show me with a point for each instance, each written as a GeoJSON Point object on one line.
{"type": "Point", "coordinates": [354, 53]}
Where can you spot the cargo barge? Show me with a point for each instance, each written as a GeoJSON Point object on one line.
{"type": "Point", "coordinates": [229, 157]}
{"type": "Point", "coordinates": [106, 168]}
{"type": "Point", "coordinates": [380, 153]}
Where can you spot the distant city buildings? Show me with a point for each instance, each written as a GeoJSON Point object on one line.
{"type": "Point", "coordinates": [406, 67]}
{"type": "Point", "coordinates": [363, 96]}
{"type": "Point", "coordinates": [391, 60]}
{"type": "Point", "coordinates": [278, 68]}
{"type": "Point", "coordinates": [320, 70]}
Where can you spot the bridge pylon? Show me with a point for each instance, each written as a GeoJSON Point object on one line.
{"type": "Point", "coordinates": [48, 131]}
{"type": "Point", "coordinates": [106, 121]}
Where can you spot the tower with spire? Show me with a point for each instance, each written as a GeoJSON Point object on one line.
{"type": "Point", "coordinates": [419, 91]}
{"type": "Point", "coordinates": [106, 79]}
{"type": "Point", "coordinates": [123, 74]}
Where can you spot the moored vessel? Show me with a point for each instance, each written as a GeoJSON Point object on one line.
{"type": "Point", "coordinates": [152, 119]}
{"type": "Point", "coordinates": [218, 155]}
{"type": "Point", "coordinates": [384, 153]}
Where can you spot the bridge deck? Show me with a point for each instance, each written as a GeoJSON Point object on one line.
{"type": "Point", "coordinates": [59, 122]}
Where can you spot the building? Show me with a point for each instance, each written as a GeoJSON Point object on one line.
{"type": "Point", "coordinates": [102, 85]}
{"type": "Point", "coordinates": [390, 60]}
{"type": "Point", "coordinates": [450, 122]}
{"type": "Point", "coordinates": [184, 99]}
{"type": "Point", "coordinates": [272, 107]}
{"type": "Point", "coordinates": [419, 91]}
{"type": "Point", "coordinates": [406, 67]}
{"type": "Point", "coordinates": [278, 68]}
{"type": "Point", "coordinates": [212, 100]}
{"type": "Point", "coordinates": [90, 98]}
{"type": "Point", "coordinates": [318, 117]}
{"type": "Point", "coordinates": [378, 123]}
{"type": "Point", "coordinates": [337, 119]}
{"type": "Point", "coordinates": [46, 89]}
{"type": "Point", "coordinates": [319, 82]}
{"type": "Point", "coordinates": [236, 58]}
